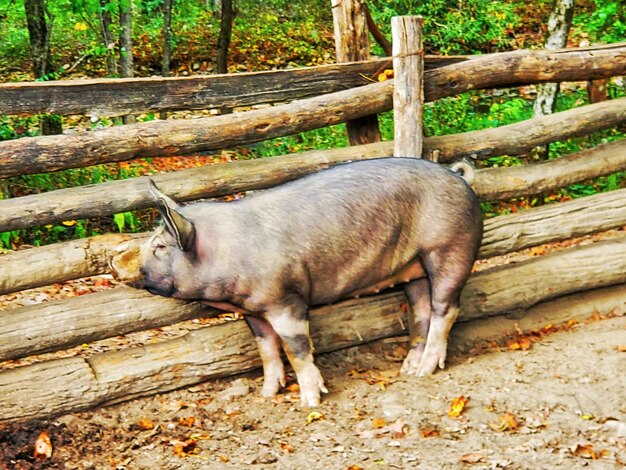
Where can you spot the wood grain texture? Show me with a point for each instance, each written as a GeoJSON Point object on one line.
{"type": "Point", "coordinates": [60, 386]}
{"type": "Point", "coordinates": [40, 266]}
{"type": "Point", "coordinates": [352, 44]}
{"type": "Point", "coordinates": [219, 180]}
{"type": "Point", "coordinates": [555, 222]}
{"type": "Point", "coordinates": [66, 323]}
{"type": "Point", "coordinates": [508, 182]}
{"type": "Point", "coordinates": [408, 91]}
{"type": "Point", "coordinates": [165, 138]}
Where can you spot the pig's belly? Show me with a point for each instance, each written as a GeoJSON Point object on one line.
{"type": "Point", "coordinates": [410, 272]}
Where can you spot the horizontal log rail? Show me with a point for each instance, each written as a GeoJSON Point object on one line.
{"type": "Point", "coordinates": [219, 180]}
{"type": "Point", "coordinates": [508, 182]}
{"type": "Point", "coordinates": [165, 138]}
{"type": "Point", "coordinates": [66, 323]}
{"type": "Point", "coordinates": [114, 97]}
{"type": "Point", "coordinates": [59, 262]}
{"type": "Point", "coordinates": [120, 96]}
{"type": "Point", "coordinates": [59, 386]}
{"type": "Point", "coordinates": [554, 222]}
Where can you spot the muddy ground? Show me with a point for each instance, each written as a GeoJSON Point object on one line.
{"type": "Point", "coordinates": [559, 404]}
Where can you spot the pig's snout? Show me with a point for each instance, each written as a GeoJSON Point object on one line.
{"type": "Point", "coordinates": [125, 265]}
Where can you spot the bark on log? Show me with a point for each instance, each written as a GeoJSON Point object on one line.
{"type": "Point", "coordinates": [556, 222]}
{"type": "Point", "coordinates": [515, 139]}
{"type": "Point", "coordinates": [114, 97]}
{"type": "Point", "coordinates": [547, 277]}
{"type": "Point", "coordinates": [505, 183]}
{"type": "Point", "coordinates": [42, 328]}
{"type": "Point", "coordinates": [27, 331]}
{"type": "Point", "coordinates": [352, 44]}
{"type": "Point", "coordinates": [60, 386]}
{"type": "Point", "coordinates": [40, 154]}
{"type": "Point", "coordinates": [508, 69]}
{"type": "Point", "coordinates": [579, 306]}
{"type": "Point", "coordinates": [157, 139]}
{"type": "Point", "coordinates": [219, 180]}
{"type": "Point", "coordinates": [59, 262]}
{"type": "Point", "coordinates": [408, 92]}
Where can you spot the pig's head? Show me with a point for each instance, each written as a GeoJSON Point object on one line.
{"type": "Point", "coordinates": [158, 263]}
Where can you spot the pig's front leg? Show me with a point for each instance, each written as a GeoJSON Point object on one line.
{"type": "Point", "coordinates": [292, 326]}
{"type": "Point", "coordinates": [269, 348]}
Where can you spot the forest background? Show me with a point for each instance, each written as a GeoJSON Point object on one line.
{"type": "Point", "coordinates": [92, 39]}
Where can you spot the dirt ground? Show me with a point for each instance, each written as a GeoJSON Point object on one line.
{"type": "Point", "coordinates": [559, 404]}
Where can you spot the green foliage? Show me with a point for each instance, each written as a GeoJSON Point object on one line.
{"type": "Point", "coordinates": [453, 27]}
{"type": "Point", "coordinates": [15, 127]}
{"type": "Point", "coordinates": [604, 22]}
{"type": "Point", "coordinates": [126, 220]}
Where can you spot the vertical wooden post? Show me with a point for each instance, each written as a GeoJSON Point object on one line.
{"type": "Point", "coordinates": [408, 92]}
{"type": "Point", "coordinates": [352, 44]}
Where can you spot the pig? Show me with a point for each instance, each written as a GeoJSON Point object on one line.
{"type": "Point", "coordinates": [354, 229]}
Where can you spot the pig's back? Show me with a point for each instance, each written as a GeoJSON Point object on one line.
{"type": "Point", "coordinates": [354, 224]}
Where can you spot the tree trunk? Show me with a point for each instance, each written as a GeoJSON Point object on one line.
{"type": "Point", "coordinates": [39, 31]}
{"type": "Point", "coordinates": [377, 33]}
{"type": "Point", "coordinates": [352, 44]}
{"type": "Point", "coordinates": [223, 43]}
{"type": "Point", "coordinates": [167, 49]}
{"type": "Point", "coordinates": [107, 37]}
{"type": "Point", "coordinates": [559, 25]}
{"type": "Point", "coordinates": [127, 68]}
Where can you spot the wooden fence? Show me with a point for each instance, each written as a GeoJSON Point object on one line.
{"type": "Point", "coordinates": [569, 283]}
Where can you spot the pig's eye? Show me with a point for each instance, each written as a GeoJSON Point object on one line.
{"type": "Point", "coordinates": [159, 248]}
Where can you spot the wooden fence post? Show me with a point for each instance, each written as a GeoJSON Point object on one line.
{"type": "Point", "coordinates": [351, 45]}
{"type": "Point", "coordinates": [408, 93]}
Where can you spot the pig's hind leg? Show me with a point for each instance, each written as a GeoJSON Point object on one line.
{"type": "Point", "coordinates": [269, 348]}
{"type": "Point", "coordinates": [292, 326]}
{"type": "Point", "coordinates": [418, 295]}
{"type": "Point", "coordinates": [447, 272]}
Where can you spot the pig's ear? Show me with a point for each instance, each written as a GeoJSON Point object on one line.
{"type": "Point", "coordinates": [176, 224]}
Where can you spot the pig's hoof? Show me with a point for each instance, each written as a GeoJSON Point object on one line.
{"type": "Point", "coordinates": [433, 356]}
{"type": "Point", "coordinates": [311, 386]}
{"type": "Point", "coordinates": [411, 363]}
{"type": "Point", "coordinates": [272, 382]}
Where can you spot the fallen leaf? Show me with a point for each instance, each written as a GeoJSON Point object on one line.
{"type": "Point", "coordinates": [187, 422]}
{"type": "Point", "coordinates": [184, 449]}
{"type": "Point", "coordinates": [474, 457]}
{"type": "Point", "coordinates": [287, 448]}
{"type": "Point", "coordinates": [224, 458]}
{"type": "Point", "coordinates": [354, 467]}
{"type": "Point", "coordinates": [457, 406]}
{"type": "Point", "coordinates": [586, 452]}
{"type": "Point", "coordinates": [379, 423]}
{"type": "Point", "coordinates": [506, 422]}
{"type": "Point", "coordinates": [398, 429]}
{"type": "Point", "coordinates": [43, 447]}
{"type": "Point", "coordinates": [621, 348]}
{"type": "Point", "coordinates": [145, 424]}
{"type": "Point", "coordinates": [294, 387]}
{"type": "Point", "coordinates": [314, 416]}
{"type": "Point", "coordinates": [429, 431]}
